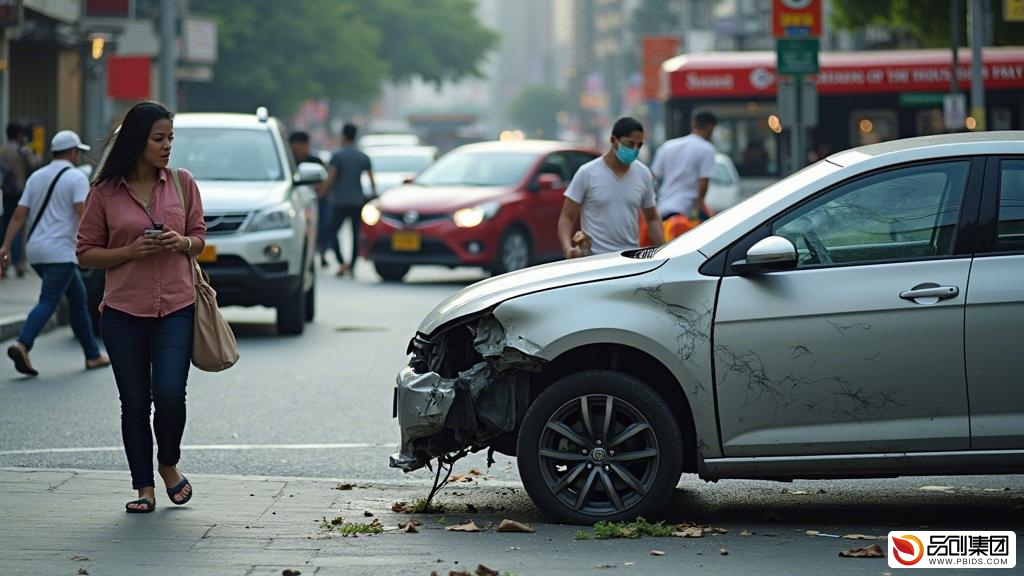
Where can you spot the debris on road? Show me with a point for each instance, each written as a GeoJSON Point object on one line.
{"type": "Point", "coordinates": [79, 558]}
{"type": "Point", "coordinates": [862, 537]}
{"type": "Point", "coordinates": [290, 572]}
{"type": "Point", "coordinates": [873, 551]}
{"type": "Point", "coordinates": [746, 533]}
{"type": "Point", "coordinates": [401, 508]}
{"type": "Point", "coordinates": [657, 552]}
{"type": "Point", "coordinates": [513, 526]}
{"type": "Point", "coordinates": [796, 492]}
{"type": "Point", "coordinates": [83, 572]}
{"type": "Point", "coordinates": [482, 570]}
{"type": "Point", "coordinates": [696, 531]}
{"type": "Point", "coordinates": [723, 552]}
{"type": "Point", "coordinates": [467, 527]}
{"type": "Point", "coordinates": [367, 514]}
{"type": "Point", "coordinates": [344, 486]}
{"type": "Point", "coordinates": [820, 534]}
{"type": "Point", "coordinates": [942, 489]}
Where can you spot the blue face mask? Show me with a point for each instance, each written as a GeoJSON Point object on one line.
{"type": "Point", "coordinates": [625, 154]}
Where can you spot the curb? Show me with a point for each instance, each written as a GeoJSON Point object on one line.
{"type": "Point", "coordinates": [10, 326]}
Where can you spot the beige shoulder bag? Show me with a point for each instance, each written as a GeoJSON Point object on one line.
{"type": "Point", "coordinates": [213, 343]}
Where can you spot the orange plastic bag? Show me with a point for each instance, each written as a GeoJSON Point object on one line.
{"type": "Point", "coordinates": [673, 227]}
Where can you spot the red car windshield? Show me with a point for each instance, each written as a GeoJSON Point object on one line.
{"type": "Point", "coordinates": [477, 169]}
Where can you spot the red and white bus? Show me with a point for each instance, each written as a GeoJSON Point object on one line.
{"type": "Point", "coordinates": [863, 97]}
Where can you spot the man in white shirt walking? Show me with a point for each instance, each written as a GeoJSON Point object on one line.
{"type": "Point", "coordinates": [52, 202]}
{"type": "Point", "coordinates": [612, 192]}
{"type": "Point", "coordinates": [684, 167]}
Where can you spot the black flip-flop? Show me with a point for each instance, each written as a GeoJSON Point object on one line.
{"type": "Point", "coordinates": [172, 492]}
{"type": "Point", "coordinates": [150, 505]}
{"type": "Point", "coordinates": [20, 361]}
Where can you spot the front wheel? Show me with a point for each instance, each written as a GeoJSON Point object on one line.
{"type": "Point", "coordinates": [513, 252]}
{"type": "Point", "coordinates": [599, 445]}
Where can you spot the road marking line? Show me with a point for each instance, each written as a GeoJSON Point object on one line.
{"type": "Point", "coordinates": [338, 446]}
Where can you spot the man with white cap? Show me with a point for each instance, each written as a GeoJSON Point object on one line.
{"type": "Point", "coordinates": [52, 203]}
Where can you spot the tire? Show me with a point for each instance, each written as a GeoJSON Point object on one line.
{"type": "Point", "coordinates": [310, 306]}
{"type": "Point", "coordinates": [555, 470]}
{"type": "Point", "coordinates": [514, 252]}
{"type": "Point", "coordinates": [391, 272]}
{"type": "Point", "coordinates": [291, 315]}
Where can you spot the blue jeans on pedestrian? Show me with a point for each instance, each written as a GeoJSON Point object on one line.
{"type": "Point", "coordinates": [60, 280]}
{"type": "Point", "coordinates": [150, 358]}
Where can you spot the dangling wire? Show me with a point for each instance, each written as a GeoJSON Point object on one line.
{"type": "Point", "coordinates": [446, 462]}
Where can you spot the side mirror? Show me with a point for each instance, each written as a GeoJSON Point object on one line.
{"type": "Point", "coordinates": [548, 181]}
{"type": "Point", "coordinates": [772, 253]}
{"type": "Point", "coordinates": [310, 173]}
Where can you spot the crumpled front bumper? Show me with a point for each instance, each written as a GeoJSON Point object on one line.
{"type": "Point", "coordinates": [439, 416]}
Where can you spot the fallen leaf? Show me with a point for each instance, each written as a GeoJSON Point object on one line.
{"type": "Point", "coordinates": [745, 533]}
{"type": "Point", "coordinates": [79, 558]}
{"type": "Point", "coordinates": [812, 533]}
{"type": "Point", "coordinates": [629, 563]}
{"type": "Point", "coordinates": [83, 572]}
{"type": "Point", "coordinates": [713, 530]}
{"type": "Point", "coordinates": [723, 552]}
{"type": "Point", "coordinates": [513, 526]}
{"type": "Point", "coordinates": [873, 551]}
{"type": "Point", "coordinates": [691, 532]}
{"type": "Point", "coordinates": [997, 489]}
{"type": "Point", "coordinates": [344, 486]}
{"type": "Point", "coordinates": [657, 553]}
{"type": "Point", "coordinates": [607, 566]}
{"type": "Point", "coordinates": [467, 527]}
{"type": "Point", "coordinates": [862, 537]}
{"type": "Point", "coordinates": [513, 548]}
{"type": "Point", "coordinates": [474, 472]}
{"type": "Point", "coordinates": [482, 570]}
{"type": "Point", "coordinates": [796, 492]}
{"type": "Point", "coordinates": [408, 528]}
{"type": "Point", "coordinates": [459, 573]}
{"type": "Point", "coordinates": [338, 520]}
{"type": "Point", "coordinates": [943, 489]}
{"type": "Point", "coordinates": [290, 572]}
{"type": "Point", "coordinates": [401, 508]}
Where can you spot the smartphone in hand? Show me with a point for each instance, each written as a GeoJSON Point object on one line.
{"type": "Point", "coordinates": [155, 231]}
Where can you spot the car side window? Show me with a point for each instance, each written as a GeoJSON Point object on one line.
{"type": "Point", "coordinates": [1010, 235]}
{"type": "Point", "coordinates": [899, 214]}
{"type": "Point", "coordinates": [557, 164]}
{"type": "Point", "coordinates": [577, 160]}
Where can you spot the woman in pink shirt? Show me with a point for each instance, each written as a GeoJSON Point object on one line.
{"type": "Point", "coordinates": [136, 229]}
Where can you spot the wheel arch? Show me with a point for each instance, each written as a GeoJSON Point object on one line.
{"type": "Point", "coordinates": [637, 363]}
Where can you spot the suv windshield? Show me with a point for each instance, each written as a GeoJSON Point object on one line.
{"type": "Point", "coordinates": [227, 154]}
{"type": "Point", "coordinates": [477, 169]}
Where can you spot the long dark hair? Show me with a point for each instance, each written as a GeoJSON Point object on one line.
{"type": "Point", "coordinates": [130, 139]}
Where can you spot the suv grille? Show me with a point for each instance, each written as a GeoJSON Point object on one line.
{"type": "Point", "coordinates": [217, 224]}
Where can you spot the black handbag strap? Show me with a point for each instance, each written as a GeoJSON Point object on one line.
{"type": "Point", "coordinates": [46, 202]}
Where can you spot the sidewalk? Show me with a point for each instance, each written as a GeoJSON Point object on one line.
{"type": "Point", "coordinates": [17, 297]}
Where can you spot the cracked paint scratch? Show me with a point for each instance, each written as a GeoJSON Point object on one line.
{"type": "Point", "coordinates": [844, 328]}
{"type": "Point", "coordinates": [694, 325]}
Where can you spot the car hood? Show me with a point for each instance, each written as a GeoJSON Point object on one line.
{"type": "Point", "coordinates": [436, 199]}
{"type": "Point", "coordinates": [220, 196]}
{"type": "Point", "coordinates": [387, 180]}
{"type": "Point", "coordinates": [483, 295]}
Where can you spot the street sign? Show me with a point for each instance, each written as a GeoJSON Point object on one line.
{"type": "Point", "coordinates": [791, 111]}
{"type": "Point", "coordinates": [921, 99]}
{"type": "Point", "coordinates": [796, 56]}
{"type": "Point", "coordinates": [1013, 10]}
{"type": "Point", "coordinates": [796, 18]}
{"type": "Point", "coordinates": [954, 111]}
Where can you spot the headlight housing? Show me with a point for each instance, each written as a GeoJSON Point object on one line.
{"type": "Point", "coordinates": [276, 217]}
{"type": "Point", "coordinates": [472, 217]}
{"type": "Point", "coordinates": [370, 215]}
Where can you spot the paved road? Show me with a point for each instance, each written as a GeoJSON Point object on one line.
{"type": "Point", "coordinates": [319, 406]}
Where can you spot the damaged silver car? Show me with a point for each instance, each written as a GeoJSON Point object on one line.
{"type": "Point", "coordinates": [857, 319]}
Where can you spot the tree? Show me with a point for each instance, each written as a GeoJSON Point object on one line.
{"type": "Point", "coordinates": [536, 109]}
{"type": "Point", "coordinates": [279, 54]}
{"type": "Point", "coordinates": [927, 21]}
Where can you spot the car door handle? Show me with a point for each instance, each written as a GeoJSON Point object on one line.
{"type": "Point", "coordinates": [930, 291]}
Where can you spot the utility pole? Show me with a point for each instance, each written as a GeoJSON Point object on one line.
{"type": "Point", "coordinates": [954, 43]}
{"type": "Point", "coordinates": [977, 77]}
{"type": "Point", "coordinates": [168, 58]}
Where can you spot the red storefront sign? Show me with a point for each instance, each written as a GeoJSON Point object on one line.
{"type": "Point", "coordinates": [796, 18]}
{"type": "Point", "coordinates": [107, 8]}
{"type": "Point", "coordinates": [753, 73]}
{"type": "Point", "coordinates": [128, 77]}
{"type": "Point", "coordinates": [657, 49]}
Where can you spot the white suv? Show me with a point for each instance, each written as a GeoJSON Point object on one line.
{"type": "Point", "coordinates": [260, 211]}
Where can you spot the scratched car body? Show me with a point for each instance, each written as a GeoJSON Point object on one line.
{"type": "Point", "coordinates": [856, 319]}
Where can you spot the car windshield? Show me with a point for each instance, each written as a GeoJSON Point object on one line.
{"type": "Point", "coordinates": [227, 154]}
{"type": "Point", "coordinates": [399, 162]}
{"type": "Point", "coordinates": [477, 169]}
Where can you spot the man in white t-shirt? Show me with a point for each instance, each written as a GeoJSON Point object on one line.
{"type": "Point", "coordinates": [611, 192]}
{"type": "Point", "coordinates": [684, 167]}
{"type": "Point", "coordinates": [52, 204]}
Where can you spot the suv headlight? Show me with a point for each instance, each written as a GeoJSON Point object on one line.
{"type": "Point", "coordinates": [370, 215]}
{"type": "Point", "coordinates": [472, 217]}
{"type": "Point", "coordinates": [274, 218]}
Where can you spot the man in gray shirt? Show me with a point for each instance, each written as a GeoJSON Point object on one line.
{"type": "Point", "coordinates": [345, 189]}
{"type": "Point", "coordinates": [612, 192]}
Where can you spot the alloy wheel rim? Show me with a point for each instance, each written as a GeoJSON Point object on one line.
{"type": "Point", "coordinates": [598, 455]}
{"type": "Point", "coordinates": [515, 252]}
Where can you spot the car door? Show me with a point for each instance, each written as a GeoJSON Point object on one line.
{"type": "Point", "coordinates": [837, 355]}
{"type": "Point", "coordinates": [995, 312]}
{"type": "Point", "coordinates": [548, 205]}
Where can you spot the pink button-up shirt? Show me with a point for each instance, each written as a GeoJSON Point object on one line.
{"type": "Point", "coordinates": [158, 284]}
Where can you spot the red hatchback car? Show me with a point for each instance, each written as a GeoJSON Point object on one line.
{"type": "Point", "coordinates": [493, 205]}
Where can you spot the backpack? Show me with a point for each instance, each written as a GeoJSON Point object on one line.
{"type": "Point", "coordinates": [9, 181]}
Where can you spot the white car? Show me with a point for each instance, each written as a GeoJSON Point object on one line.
{"type": "Point", "coordinates": [372, 140]}
{"type": "Point", "coordinates": [724, 185]}
{"type": "Point", "coordinates": [395, 165]}
{"type": "Point", "coordinates": [260, 211]}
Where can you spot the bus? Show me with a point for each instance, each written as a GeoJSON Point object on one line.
{"type": "Point", "coordinates": [863, 98]}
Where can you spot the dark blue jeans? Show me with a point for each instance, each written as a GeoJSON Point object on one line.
{"type": "Point", "coordinates": [60, 280]}
{"type": "Point", "coordinates": [150, 357]}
